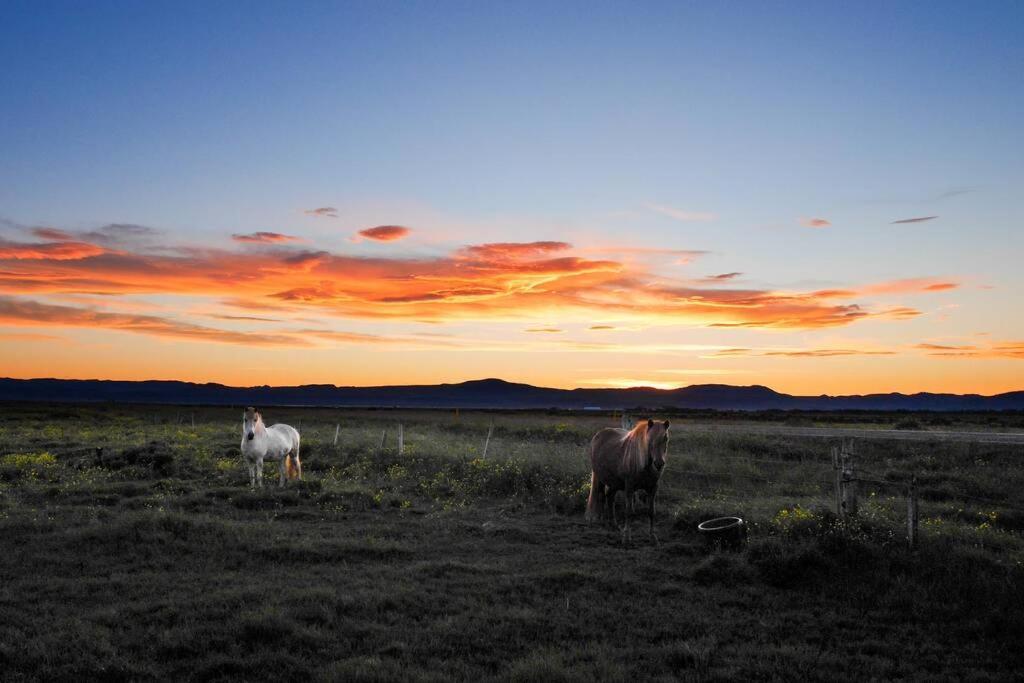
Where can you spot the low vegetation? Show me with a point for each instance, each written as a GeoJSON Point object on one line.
{"type": "Point", "coordinates": [133, 549]}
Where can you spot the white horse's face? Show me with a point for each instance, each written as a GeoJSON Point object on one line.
{"type": "Point", "coordinates": [250, 418]}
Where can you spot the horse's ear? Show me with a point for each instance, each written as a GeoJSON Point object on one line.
{"type": "Point", "coordinates": [650, 424]}
{"type": "Point", "coordinates": [666, 425]}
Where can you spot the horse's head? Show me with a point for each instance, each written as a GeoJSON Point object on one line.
{"type": "Point", "coordinates": [657, 444]}
{"type": "Point", "coordinates": [250, 419]}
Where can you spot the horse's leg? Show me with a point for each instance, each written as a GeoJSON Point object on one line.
{"type": "Point", "coordinates": [298, 463]}
{"type": "Point", "coordinates": [594, 502]}
{"type": "Point", "coordinates": [252, 474]}
{"type": "Point", "coordinates": [610, 507]}
{"type": "Point", "coordinates": [652, 494]}
{"type": "Point", "coordinates": [259, 472]}
{"type": "Point", "coordinates": [281, 468]}
{"type": "Point", "coordinates": [629, 509]}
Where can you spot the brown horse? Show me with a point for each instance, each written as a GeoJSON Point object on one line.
{"type": "Point", "coordinates": [628, 461]}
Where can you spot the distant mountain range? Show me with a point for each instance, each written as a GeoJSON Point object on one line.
{"type": "Point", "coordinates": [487, 393]}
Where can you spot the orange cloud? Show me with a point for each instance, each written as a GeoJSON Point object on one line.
{"type": "Point", "coordinates": [905, 286]}
{"type": "Point", "coordinates": [264, 238]}
{"type": "Point", "coordinates": [545, 280]}
{"type": "Point", "coordinates": [815, 222]}
{"type": "Point", "coordinates": [511, 251]}
{"type": "Point", "coordinates": [385, 233]}
{"type": "Point", "coordinates": [57, 251]}
{"type": "Point", "coordinates": [909, 286]}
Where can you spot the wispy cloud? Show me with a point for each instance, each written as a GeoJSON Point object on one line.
{"type": "Point", "coordinates": [801, 353]}
{"type": "Point", "coordinates": [30, 336]}
{"type": "Point", "coordinates": [957, 191]}
{"type": "Point", "coordinates": [549, 330]}
{"type": "Point", "coordinates": [385, 233]}
{"type": "Point", "coordinates": [18, 311]}
{"type": "Point", "coordinates": [919, 219]}
{"type": "Point", "coordinates": [53, 234]}
{"type": "Point", "coordinates": [717, 279]}
{"type": "Point", "coordinates": [909, 286]}
{"type": "Point", "coordinates": [682, 214]}
{"type": "Point", "coordinates": [322, 212]}
{"type": "Point", "coordinates": [677, 256]}
{"type": "Point", "coordinates": [990, 349]}
{"type": "Point", "coordinates": [117, 233]}
{"type": "Point", "coordinates": [815, 222]}
{"type": "Point", "coordinates": [247, 318]}
{"type": "Point", "coordinates": [264, 237]}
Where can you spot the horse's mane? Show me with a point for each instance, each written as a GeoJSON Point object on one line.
{"type": "Point", "coordinates": [634, 448]}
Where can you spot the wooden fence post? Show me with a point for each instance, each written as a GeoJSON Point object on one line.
{"type": "Point", "coordinates": [837, 472]}
{"type": "Point", "coordinates": [383, 437]}
{"type": "Point", "coordinates": [912, 513]}
{"type": "Point", "coordinates": [193, 421]}
{"type": "Point", "coordinates": [401, 439]}
{"type": "Point", "coordinates": [487, 443]}
{"type": "Point", "coordinates": [849, 482]}
{"type": "Point", "coordinates": [337, 429]}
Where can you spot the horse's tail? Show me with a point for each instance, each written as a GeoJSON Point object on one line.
{"type": "Point", "coordinates": [293, 466]}
{"type": "Point", "coordinates": [594, 499]}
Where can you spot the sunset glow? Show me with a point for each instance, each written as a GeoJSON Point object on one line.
{"type": "Point", "coordinates": [776, 229]}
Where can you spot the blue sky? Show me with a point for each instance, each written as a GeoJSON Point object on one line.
{"type": "Point", "coordinates": [477, 122]}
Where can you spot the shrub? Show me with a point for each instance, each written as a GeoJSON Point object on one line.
{"type": "Point", "coordinates": [27, 465]}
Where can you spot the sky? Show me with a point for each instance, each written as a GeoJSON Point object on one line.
{"type": "Point", "coordinates": [816, 197]}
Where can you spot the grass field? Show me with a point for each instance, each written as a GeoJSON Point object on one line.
{"type": "Point", "coordinates": [153, 560]}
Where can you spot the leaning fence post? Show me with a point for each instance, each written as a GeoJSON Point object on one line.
{"type": "Point", "coordinates": [912, 513]}
{"type": "Point", "coordinates": [337, 429]}
{"type": "Point", "coordinates": [487, 442]}
{"type": "Point", "coordinates": [383, 436]}
{"type": "Point", "coordinates": [401, 439]}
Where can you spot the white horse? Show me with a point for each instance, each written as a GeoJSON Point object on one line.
{"type": "Point", "coordinates": [259, 442]}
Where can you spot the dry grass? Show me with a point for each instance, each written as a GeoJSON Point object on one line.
{"type": "Point", "coordinates": [154, 561]}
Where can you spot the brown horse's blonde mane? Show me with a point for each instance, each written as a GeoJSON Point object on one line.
{"type": "Point", "coordinates": [634, 451]}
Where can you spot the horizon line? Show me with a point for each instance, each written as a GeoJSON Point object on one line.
{"type": "Point", "coordinates": [505, 381]}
